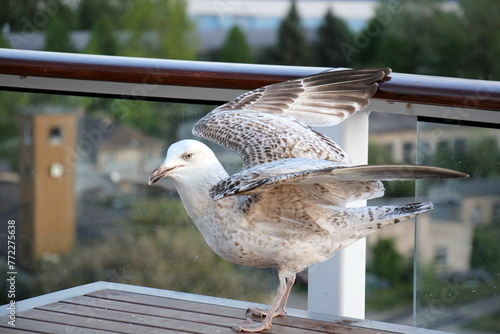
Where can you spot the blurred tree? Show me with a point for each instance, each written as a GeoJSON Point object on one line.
{"type": "Point", "coordinates": [331, 35]}
{"type": "Point", "coordinates": [291, 46]}
{"type": "Point", "coordinates": [366, 43]}
{"type": "Point", "coordinates": [19, 15]}
{"type": "Point", "coordinates": [58, 36]}
{"type": "Point", "coordinates": [236, 48]}
{"type": "Point", "coordinates": [485, 248]}
{"type": "Point", "coordinates": [479, 157]}
{"type": "Point", "coordinates": [390, 39]}
{"type": "Point", "coordinates": [34, 15]}
{"type": "Point", "coordinates": [438, 40]}
{"type": "Point", "coordinates": [103, 39]}
{"type": "Point", "coordinates": [159, 29]}
{"type": "Point", "coordinates": [482, 37]}
{"type": "Point", "coordinates": [387, 262]}
{"type": "Point", "coordinates": [378, 156]}
{"type": "Point", "coordinates": [171, 255]}
{"type": "Point", "coordinates": [89, 12]}
{"type": "Point", "coordinates": [10, 103]}
{"type": "Point", "coordinates": [145, 116]}
{"type": "Point", "coordinates": [4, 43]}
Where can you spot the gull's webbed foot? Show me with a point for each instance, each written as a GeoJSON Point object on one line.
{"type": "Point", "coordinates": [260, 312]}
{"type": "Point", "coordinates": [251, 326]}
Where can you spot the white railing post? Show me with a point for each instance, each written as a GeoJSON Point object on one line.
{"type": "Point", "coordinates": [337, 286]}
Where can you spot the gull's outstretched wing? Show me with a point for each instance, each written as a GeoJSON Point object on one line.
{"type": "Point", "coordinates": [358, 182]}
{"type": "Point", "coordinates": [322, 99]}
{"type": "Point", "coordinates": [273, 122]}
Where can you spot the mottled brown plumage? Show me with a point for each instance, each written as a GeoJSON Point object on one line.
{"type": "Point", "coordinates": [286, 208]}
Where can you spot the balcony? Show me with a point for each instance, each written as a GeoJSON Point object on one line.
{"type": "Point", "coordinates": [102, 157]}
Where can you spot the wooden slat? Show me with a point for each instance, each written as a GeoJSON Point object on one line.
{"type": "Point", "coordinates": [204, 319]}
{"type": "Point", "coordinates": [110, 326]}
{"type": "Point", "coordinates": [118, 311]}
{"type": "Point", "coordinates": [140, 309]}
{"type": "Point", "coordinates": [137, 298]}
{"type": "Point", "coordinates": [287, 324]}
{"type": "Point", "coordinates": [147, 323]}
{"type": "Point", "coordinates": [27, 325]}
{"type": "Point", "coordinates": [15, 330]}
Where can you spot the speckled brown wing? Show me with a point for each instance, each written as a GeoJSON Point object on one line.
{"type": "Point", "coordinates": [322, 99]}
{"type": "Point", "coordinates": [272, 122]}
{"type": "Point", "coordinates": [323, 182]}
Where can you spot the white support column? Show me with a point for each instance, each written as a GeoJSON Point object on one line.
{"type": "Point", "coordinates": [337, 286]}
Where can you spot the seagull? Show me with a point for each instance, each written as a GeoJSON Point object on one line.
{"type": "Point", "coordinates": [286, 209]}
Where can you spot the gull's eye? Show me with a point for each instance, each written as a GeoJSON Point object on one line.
{"type": "Point", "coordinates": [188, 156]}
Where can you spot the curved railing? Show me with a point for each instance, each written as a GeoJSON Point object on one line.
{"type": "Point", "coordinates": [420, 89]}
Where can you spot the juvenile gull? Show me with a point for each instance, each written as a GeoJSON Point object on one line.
{"type": "Point", "coordinates": [286, 208]}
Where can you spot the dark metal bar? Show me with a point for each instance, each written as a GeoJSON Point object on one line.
{"type": "Point", "coordinates": [452, 92]}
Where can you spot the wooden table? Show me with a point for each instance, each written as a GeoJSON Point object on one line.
{"type": "Point", "coordinates": [104, 307]}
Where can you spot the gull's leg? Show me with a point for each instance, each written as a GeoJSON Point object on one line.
{"type": "Point", "coordinates": [281, 308]}
{"type": "Point", "coordinates": [251, 326]}
{"type": "Point", "coordinates": [280, 311]}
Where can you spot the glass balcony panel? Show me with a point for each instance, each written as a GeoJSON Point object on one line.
{"type": "Point", "coordinates": [457, 268]}
{"type": "Point", "coordinates": [74, 177]}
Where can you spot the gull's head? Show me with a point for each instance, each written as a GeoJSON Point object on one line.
{"type": "Point", "coordinates": [184, 158]}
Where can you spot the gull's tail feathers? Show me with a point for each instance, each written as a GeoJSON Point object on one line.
{"type": "Point", "coordinates": [373, 218]}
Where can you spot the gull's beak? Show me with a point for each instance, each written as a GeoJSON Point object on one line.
{"type": "Point", "coordinates": [159, 173]}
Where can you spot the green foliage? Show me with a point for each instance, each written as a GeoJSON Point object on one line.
{"type": "Point", "coordinates": [399, 188]}
{"type": "Point", "coordinates": [486, 323]}
{"type": "Point", "coordinates": [432, 290]}
{"type": "Point", "coordinates": [158, 247]}
{"type": "Point", "coordinates": [398, 47]}
{"type": "Point", "coordinates": [33, 15]}
{"type": "Point", "coordinates": [463, 43]}
{"type": "Point", "coordinates": [58, 36]}
{"type": "Point", "coordinates": [331, 35]}
{"type": "Point", "coordinates": [482, 38]}
{"type": "Point", "coordinates": [103, 39]}
{"type": "Point", "coordinates": [236, 48]}
{"type": "Point", "coordinates": [480, 157]}
{"type": "Point", "coordinates": [159, 29]}
{"type": "Point", "coordinates": [366, 44]}
{"type": "Point", "coordinates": [399, 296]}
{"type": "Point", "coordinates": [157, 119]}
{"type": "Point", "coordinates": [387, 263]}
{"type": "Point", "coordinates": [90, 12]}
{"type": "Point", "coordinates": [291, 47]}
{"type": "Point", "coordinates": [4, 43]}
{"type": "Point", "coordinates": [378, 156]}
{"type": "Point", "coordinates": [485, 248]}
{"type": "Point", "coordinates": [9, 125]}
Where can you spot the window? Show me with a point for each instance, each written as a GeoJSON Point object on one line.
{"type": "Point", "coordinates": [27, 133]}
{"type": "Point", "coordinates": [440, 255]}
{"type": "Point", "coordinates": [409, 152]}
{"type": "Point", "coordinates": [55, 136]}
{"type": "Point", "coordinates": [388, 152]}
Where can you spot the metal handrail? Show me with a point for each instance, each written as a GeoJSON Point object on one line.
{"type": "Point", "coordinates": [420, 89]}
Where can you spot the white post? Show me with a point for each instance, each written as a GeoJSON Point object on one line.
{"type": "Point", "coordinates": [337, 286]}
